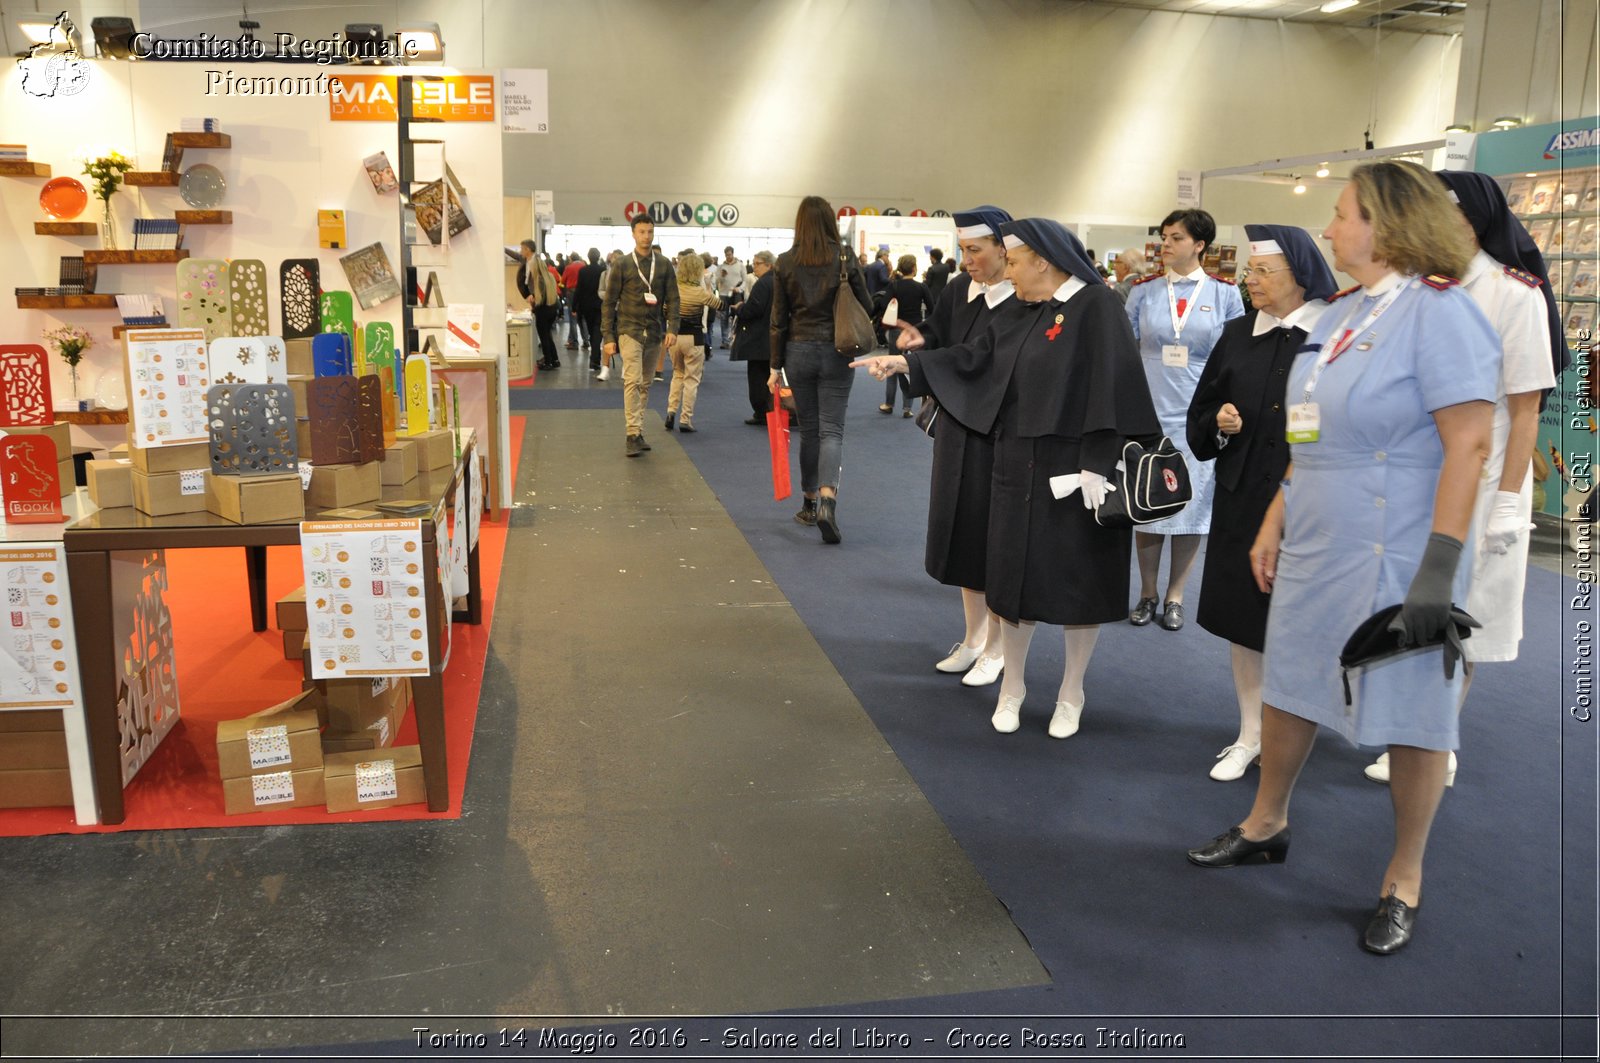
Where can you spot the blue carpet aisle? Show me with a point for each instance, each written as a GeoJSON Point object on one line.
{"type": "Point", "coordinates": [1083, 840]}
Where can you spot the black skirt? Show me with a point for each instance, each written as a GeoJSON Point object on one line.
{"type": "Point", "coordinates": [958, 505]}
{"type": "Point", "coordinates": [1231, 606]}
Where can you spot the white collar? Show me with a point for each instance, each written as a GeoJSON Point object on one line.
{"type": "Point", "coordinates": [1174, 277]}
{"type": "Point", "coordinates": [1482, 264]}
{"type": "Point", "coordinates": [1303, 316]}
{"type": "Point", "coordinates": [1389, 281]}
{"type": "Point", "coordinates": [993, 294]}
{"type": "Point", "coordinates": [1072, 286]}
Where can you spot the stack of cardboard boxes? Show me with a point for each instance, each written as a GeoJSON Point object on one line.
{"type": "Point", "coordinates": [170, 480]}
{"type": "Point", "coordinates": [291, 616]}
{"type": "Point", "coordinates": [271, 760]}
{"type": "Point", "coordinates": [33, 760]}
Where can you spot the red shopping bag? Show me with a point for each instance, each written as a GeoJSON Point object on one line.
{"type": "Point", "coordinates": [778, 445]}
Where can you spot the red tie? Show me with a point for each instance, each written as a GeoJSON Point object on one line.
{"type": "Point", "coordinates": [1181, 304]}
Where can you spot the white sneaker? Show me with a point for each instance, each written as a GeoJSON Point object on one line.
{"type": "Point", "coordinates": [1064, 723]}
{"type": "Point", "coordinates": [960, 659]}
{"type": "Point", "coordinates": [1378, 770]}
{"type": "Point", "coordinates": [1007, 715]}
{"type": "Point", "coordinates": [985, 671]}
{"type": "Point", "coordinates": [605, 372]}
{"type": "Point", "coordinates": [1232, 762]}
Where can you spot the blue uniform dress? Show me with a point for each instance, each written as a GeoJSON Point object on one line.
{"type": "Point", "coordinates": [1360, 508]}
{"type": "Point", "coordinates": [1172, 387]}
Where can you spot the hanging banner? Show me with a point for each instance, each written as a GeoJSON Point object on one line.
{"type": "Point", "coordinates": [371, 98]}
{"type": "Point", "coordinates": [1188, 189]}
{"type": "Point", "coordinates": [524, 101]}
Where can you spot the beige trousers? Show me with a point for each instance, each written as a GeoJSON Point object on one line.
{"type": "Point", "coordinates": [639, 366]}
{"type": "Point", "coordinates": [688, 365]}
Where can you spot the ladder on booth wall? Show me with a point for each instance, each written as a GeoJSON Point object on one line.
{"type": "Point", "coordinates": [422, 311]}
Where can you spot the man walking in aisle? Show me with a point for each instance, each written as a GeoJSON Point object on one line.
{"type": "Point", "coordinates": [730, 280]}
{"type": "Point", "coordinates": [588, 301]}
{"type": "Point", "coordinates": [639, 309]}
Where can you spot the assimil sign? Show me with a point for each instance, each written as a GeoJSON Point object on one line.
{"type": "Point", "coordinates": [371, 98]}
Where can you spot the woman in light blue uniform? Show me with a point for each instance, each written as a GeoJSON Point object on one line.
{"type": "Point", "coordinates": [1177, 317]}
{"type": "Point", "coordinates": [1390, 407]}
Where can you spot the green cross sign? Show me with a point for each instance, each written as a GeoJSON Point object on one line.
{"type": "Point", "coordinates": [705, 214]}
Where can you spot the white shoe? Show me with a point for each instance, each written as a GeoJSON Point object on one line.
{"type": "Point", "coordinates": [1064, 723]}
{"type": "Point", "coordinates": [960, 659]}
{"type": "Point", "coordinates": [1232, 762]}
{"type": "Point", "coordinates": [1007, 715]}
{"type": "Point", "coordinates": [1378, 771]}
{"type": "Point", "coordinates": [986, 671]}
{"type": "Point", "coordinates": [605, 372]}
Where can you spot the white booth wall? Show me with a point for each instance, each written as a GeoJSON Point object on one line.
{"type": "Point", "coordinates": [288, 160]}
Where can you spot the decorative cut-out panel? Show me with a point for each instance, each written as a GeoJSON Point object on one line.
{"type": "Point", "coordinates": [238, 360]}
{"type": "Point", "coordinates": [419, 393]}
{"type": "Point", "coordinates": [147, 686]}
{"type": "Point", "coordinates": [346, 420]}
{"type": "Point", "coordinates": [387, 399]}
{"type": "Point", "coordinates": [380, 345]}
{"type": "Point", "coordinates": [252, 429]}
{"type": "Point", "coordinates": [247, 288]}
{"type": "Point", "coordinates": [300, 293]}
{"type": "Point", "coordinates": [25, 386]}
{"type": "Point", "coordinates": [277, 360]}
{"type": "Point", "coordinates": [31, 479]}
{"type": "Point", "coordinates": [203, 298]}
{"type": "Point", "coordinates": [330, 355]}
{"type": "Point", "coordinates": [338, 312]}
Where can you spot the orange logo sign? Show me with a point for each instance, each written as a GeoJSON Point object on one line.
{"type": "Point", "coordinates": [371, 98]}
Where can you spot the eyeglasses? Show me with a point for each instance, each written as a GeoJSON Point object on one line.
{"type": "Point", "coordinates": [1262, 271]}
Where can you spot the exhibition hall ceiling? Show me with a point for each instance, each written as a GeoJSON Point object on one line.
{"type": "Point", "coordinates": [1414, 16]}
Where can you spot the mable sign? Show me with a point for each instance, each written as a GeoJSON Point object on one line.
{"type": "Point", "coordinates": [371, 98]}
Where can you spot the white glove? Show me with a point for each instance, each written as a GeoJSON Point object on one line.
{"type": "Point", "coordinates": [1505, 525]}
{"type": "Point", "coordinates": [1095, 488]}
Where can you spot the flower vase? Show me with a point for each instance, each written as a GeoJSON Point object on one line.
{"type": "Point", "coordinates": [108, 228]}
{"type": "Point", "coordinates": [77, 403]}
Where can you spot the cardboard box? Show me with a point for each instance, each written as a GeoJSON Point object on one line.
{"type": "Point", "coordinates": [298, 354]}
{"type": "Point", "coordinates": [33, 750]}
{"type": "Point", "coordinates": [59, 433]}
{"type": "Point", "coordinates": [111, 483]}
{"type": "Point", "coordinates": [356, 704]}
{"type": "Point", "coordinates": [274, 741]}
{"type": "Point", "coordinates": [360, 780]}
{"type": "Point", "coordinates": [438, 448]}
{"type": "Point", "coordinates": [67, 471]}
{"type": "Point", "coordinates": [291, 611]}
{"type": "Point", "coordinates": [378, 734]}
{"type": "Point", "coordinates": [35, 788]}
{"type": "Point", "coordinates": [298, 385]}
{"type": "Point", "coordinates": [163, 494]}
{"type": "Point", "coordinates": [306, 701]}
{"type": "Point", "coordinates": [302, 439]}
{"type": "Point", "coordinates": [255, 499]}
{"type": "Point", "coordinates": [270, 790]}
{"type": "Point", "coordinates": [335, 486]}
{"type": "Point", "coordinates": [151, 460]}
{"type": "Point", "coordinates": [118, 451]}
{"type": "Point", "coordinates": [294, 644]}
{"type": "Point", "coordinates": [32, 720]}
{"type": "Point", "coordinates": [400, 462]}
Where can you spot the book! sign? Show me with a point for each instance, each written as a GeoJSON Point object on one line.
{"type": "Point", "coordinates": [371, 98]}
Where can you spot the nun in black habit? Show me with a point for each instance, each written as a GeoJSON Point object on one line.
{"type": "Point", "coordinates": [1058, 383]}
{"type": "Point", "coordinates": [963, 459]}
{"type": "Point", "coordinates": [1237, 419]}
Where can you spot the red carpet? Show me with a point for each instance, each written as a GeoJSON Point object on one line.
{"type": "Point", "coordinates": [226, 671]}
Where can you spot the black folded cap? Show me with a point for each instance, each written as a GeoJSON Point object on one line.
{"type": "Point", "coordinates": [1374, 641]}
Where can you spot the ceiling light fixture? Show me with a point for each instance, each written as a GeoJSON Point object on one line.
{"type": "Point", "coordinates": [113, 37]}
{"type": "Point", "coordinates": [1333, 7]}
{"type": "Point", "coordinates": [1323, 171]}
{"type": "Point", "coordinates": [1459, 127]}
{"type": "Point", "coordinates": [1506, 122]}
{"type": "Point", "coordinates": [420, 43]}
{"type": "Point", "coordinates": [1299, 186]}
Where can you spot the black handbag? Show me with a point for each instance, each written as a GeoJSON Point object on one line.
{"type": "Point", "coordinates": [1152, 483]}
{"type": "Point", "coordinates": [928, 416]}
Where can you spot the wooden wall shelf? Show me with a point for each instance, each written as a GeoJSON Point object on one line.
{"type": "Point", "coordinates": [152, 178]}
{"type": "Point", "coordinates": [12, 168]}
{"type": "Point", "coordinates": [202, 140]}
{"type": "Point", "coordinates": [67, 302]}
{"type": "Point", "coordinates": [204, 217]}
{"type": "Point", "coordinates": [93, 416]}
{"type": "Point", "coordinates": [131, 258]}
{"type": "Point", "coordinates": [65, 228]}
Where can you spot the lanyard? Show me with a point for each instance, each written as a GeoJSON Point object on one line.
{"type": "Point", "coordinates": [649, 285]}
{"type": "Point", "coordinates": [1339, 341]}
{"type": "Point", "coordinates": [1172, 305]}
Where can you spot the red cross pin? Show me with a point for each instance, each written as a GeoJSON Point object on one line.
{"type": "Point", "coordinates": [1054, 330]}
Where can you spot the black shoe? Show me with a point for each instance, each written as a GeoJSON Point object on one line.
{"type": "Point", "coordinates": [827, 521]}
{"type": "Point", "coordinates": [1143, 613]}
{"type": "Point", "coordinates": [685, 428]}
{"type": "Point", "coordinates": [1389, 929]}
{"type": "Point", "coordinates": [633, 448]}
{"type": "Point", "coordinates": [807, 514]}
{"type": "Point", "coordinates": [672, 419]}
{"type": "Point", "coordinates": [1233, 848]}
{"type": "Point", "coordinates": [543, 365]}
{"type": "Point", "coordinates": [572, 346]}
{"type": "Point", "coordinates": [758, 421]}
{"type": "Point", "coordinates": [1172, 616]}
{"type": "Point", "coordinates": [644, 444]}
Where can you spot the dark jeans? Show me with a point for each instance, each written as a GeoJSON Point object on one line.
{"type": "Point", "coordinates": [573, 321]}
{"type": "Point", "coordinates": [591, 330]}
{"type": "Point", "coordinates": [760, 398]}
{"type": "Point", "coordinates": [904, 385]}
{"type": "Point", "coordinates": [544, 319]}
{"type": "Point", "coordinates": [821, 379]}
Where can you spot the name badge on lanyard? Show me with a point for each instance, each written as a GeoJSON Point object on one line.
{"type": "Point", "coordinates": [649, 283]}
{"type": "Point", "coordinates": [1305, 423]}
{"type": "Point", "coordinates": [1305, 417]}
{"type": "Point", "coordinates": [1176, 355]}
